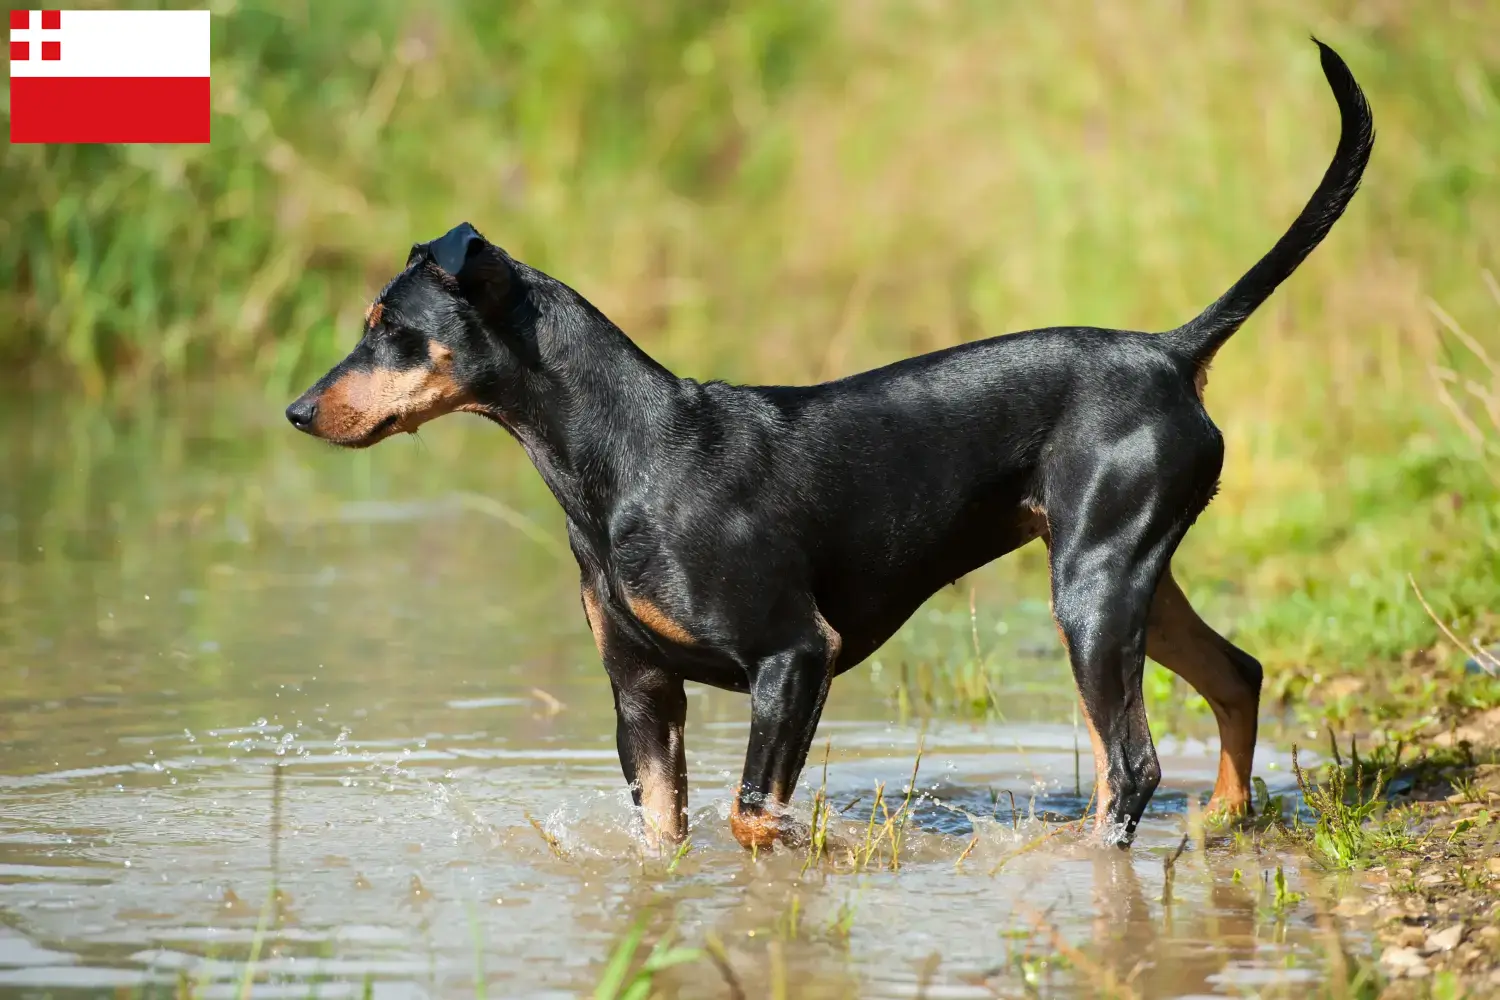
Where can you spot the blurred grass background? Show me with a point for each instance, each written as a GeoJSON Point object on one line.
{"type": "Point", "coordinates": [788, 191]}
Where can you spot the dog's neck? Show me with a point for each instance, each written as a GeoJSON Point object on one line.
{"type": "Point", "coordinates": [584, 398]}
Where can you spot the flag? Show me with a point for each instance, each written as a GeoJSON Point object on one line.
{"type": "Point", "coordinates": [109, 76]}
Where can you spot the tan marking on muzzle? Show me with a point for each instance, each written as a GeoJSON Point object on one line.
{"type": "Point", "coordinates": [352, 410]}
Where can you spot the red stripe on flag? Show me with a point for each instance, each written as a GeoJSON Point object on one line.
{"type": "Point", "coordinates": [109, 109]}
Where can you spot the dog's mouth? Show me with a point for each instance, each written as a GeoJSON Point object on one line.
{"type": "Point", "coordinates": [385, 425]}
{"type": "Point", "coordinates": [343, 413]}
{"type": "Point", "coordinates": [390, 425]}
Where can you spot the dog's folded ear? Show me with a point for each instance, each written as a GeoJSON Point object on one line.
{"type": "Point", "coordinates": [465, 255]}
{"type": "Point", "coordinates": [482, 271]}
{"type": "Point", "coordinates": [452, 250]}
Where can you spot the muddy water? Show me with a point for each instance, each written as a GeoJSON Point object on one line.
{"type": "Point", "coordinates": [193, 599]}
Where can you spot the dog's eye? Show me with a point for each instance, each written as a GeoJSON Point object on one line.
{"type": "Point", "coordinates": [405, 345]}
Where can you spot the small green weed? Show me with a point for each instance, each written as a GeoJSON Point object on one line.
{"type": "Point", "coordinates": [1270, 810]}
{"type": "Point", "coordinates": [1340, 834]}
{"type": "Point", "coordinates": [681, 852]}
{"type": "Point", "coordinates": [619, 983]}
{"type": "Point", "coordinates": [1285, 898]}
{"type": "Point", "coordinates": [885, 832]}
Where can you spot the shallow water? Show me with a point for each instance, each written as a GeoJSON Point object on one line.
{"type": "Point", "coordinates": [193, 596]}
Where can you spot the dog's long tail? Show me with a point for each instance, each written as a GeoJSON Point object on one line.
{"type": "Point", "coordinates": [1200, 338]}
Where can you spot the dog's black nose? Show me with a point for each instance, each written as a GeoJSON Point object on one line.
{"type": "Point", "coordinates": [301, 413]}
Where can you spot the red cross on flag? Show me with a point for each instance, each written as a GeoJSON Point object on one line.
{"type": "Point", "coordinates": [109, 76]}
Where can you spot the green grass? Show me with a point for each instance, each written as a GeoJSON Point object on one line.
{"type": "Point", "coordinates": [1342, 833]}
{"type": "Point", "coordinates": [626, 978]}
{"type": "Point", "coordinates": [1360, 821]}
{"type": "Point", "coordinates": [343, 132]}
{"type": "Point", "coordinates": [874, 845]}
{"type": "Point", "coordinates": [785, 191]}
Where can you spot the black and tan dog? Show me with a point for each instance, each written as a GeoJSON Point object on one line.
{"type": "Point", "coordinates": [765, 539]}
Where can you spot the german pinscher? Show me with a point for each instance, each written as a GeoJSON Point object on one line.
{"type": "Point", "coordinates": [765, 539]}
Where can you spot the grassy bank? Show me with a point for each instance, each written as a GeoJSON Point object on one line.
{"type": "Point", "coordinates": [788, 191]}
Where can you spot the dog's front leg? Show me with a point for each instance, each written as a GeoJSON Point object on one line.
{"type": "Point", "coordinates": [650, 710]}
{"type": "Point", "coordinates": [786, 699]}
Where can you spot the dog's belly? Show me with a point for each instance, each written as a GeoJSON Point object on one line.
{"type": "Point", "coordinates": [710, 667]}
{"type": "Point", "coordinates": [867, 591]}
{"type": "Point", "coordinates": [866, 604]}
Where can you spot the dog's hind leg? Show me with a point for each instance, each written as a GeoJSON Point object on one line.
{"type": "Point", "coordinates": [1226, 676]}
{"type": "Point", "coordinates": [1101, 613]}
{"type": "Point", "coordinates": [1115, 515]}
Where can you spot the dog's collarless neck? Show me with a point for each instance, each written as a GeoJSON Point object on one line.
{"type": "Point", "coordinates": [592, 398]}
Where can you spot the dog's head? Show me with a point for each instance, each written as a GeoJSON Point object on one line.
{"type": "Point", "coordinates": [432, 341]}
